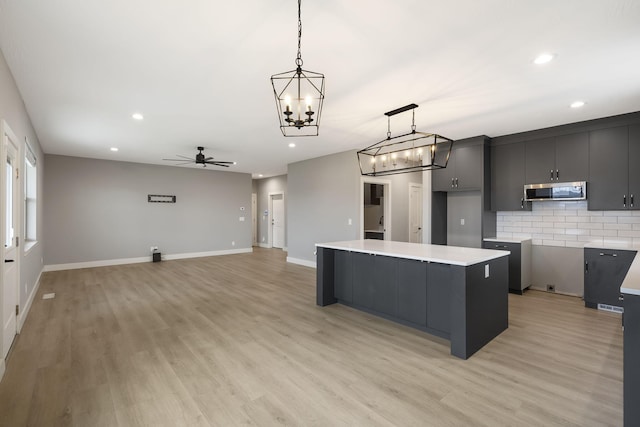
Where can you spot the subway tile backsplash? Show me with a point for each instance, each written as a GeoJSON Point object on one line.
{"type": "Point", "coordinates": [570, 224]}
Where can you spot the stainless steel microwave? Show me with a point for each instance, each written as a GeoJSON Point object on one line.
{"type": "Point", "coordinates": [556, 191]}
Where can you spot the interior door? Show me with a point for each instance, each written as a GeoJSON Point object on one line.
{"type": "Point", "coordinates": [277, 221]}
{"type": "Point", "coordinates": [415, 213]}
{"type": "Point", "coordinates": [10, 230]}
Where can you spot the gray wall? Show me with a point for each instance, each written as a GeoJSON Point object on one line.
{"type": "Point", "coordinates": [97, 210]}
{"type": "Point", "coordinates": [263, 187]}
{"type": "Point", "coordinates": [465, 205]}
{"type": "Point", "coordinates": [562, 267]}
{"type": "Point", "coordinates": [13, 111]}
{"type": "Point", "coordinates": [324, 193]}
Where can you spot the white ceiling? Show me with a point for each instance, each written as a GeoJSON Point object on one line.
{"type": "Point", "coordinates": [199, 71]}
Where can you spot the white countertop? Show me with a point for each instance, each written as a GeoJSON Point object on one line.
{"type": "Point", "coordinates": [453, 255]}
{"type": "Point", "coordinates": [631, 282]}
{"type": "Point", "coordinates": [507, 239]}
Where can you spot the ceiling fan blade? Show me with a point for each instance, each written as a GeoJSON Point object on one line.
{"type": "Point", "coordinates": [175, 160]}
{"type": "Point", "coordinates": [219, 164]}
{"type": "Point", "coordinates": [183, 163]}
{"type": "Point", "coordinates": [220, 161]}
{"type": "Point", "coordinates": [208, 158]}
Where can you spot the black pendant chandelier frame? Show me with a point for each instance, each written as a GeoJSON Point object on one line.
{"type": "Point", "coordinates": [299, 95]}
{"type": "Point", "coordinates": [409, 152]}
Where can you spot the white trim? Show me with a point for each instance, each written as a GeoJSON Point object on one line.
{"type": "Point", "coordinates": [270, 216]}
{"type": "Point", "coordinates": [2, 368]}
{"type": "Point", "coordinates": [22, 317]}
{"type": "Point", "coordinates": [419, 186]}
{"type": "Point", "coordinates": [264, 245]}
{"type": "Point", "coordinates": [122, 261]}
{"type": "Point", "coordinates": [387, 204]}
{"type": "Point", "coordinates": [304, 262]}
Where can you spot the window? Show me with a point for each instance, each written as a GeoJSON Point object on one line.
{"type": "Point", "coordinates": [30, 198]}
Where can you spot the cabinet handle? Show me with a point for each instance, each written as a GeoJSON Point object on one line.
{"type": "Point", "coordinates": [456, 182]}
{"type": "Point", "coordinates": [586, 267]}
{"type": "Point", "coordinates": [621, 297]}
{"type": "Point", "coordinates": [501, 246]}
{"type": "Point", "coordinates": [522, 203]}
{"type": "Point", "coordinates": [632, 200]}
{"type": "Point", "coordinates": [557, 174]}
{"type": "Point", "coordinates": [606, 254]}
{"type": "Point", "coordinates": [624, 200]}
{"type": "Point", "coordinates": [551, 174]}
{"type": "Point", "coordinates": [452, 182]}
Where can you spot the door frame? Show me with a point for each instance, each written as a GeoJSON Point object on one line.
{"type": "Point", "coordinates": [7, 133]}
{"type": "Point", "coordinates": [387, 204]}
{"type": "Point", "coordinates": [254, 218]}
{"type": "Point", "coordinates": [420, 221]}
{"type": "Point", "coordinates": [270, 218]}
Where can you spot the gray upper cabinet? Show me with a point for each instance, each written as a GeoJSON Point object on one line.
{"type": "Point", "coordinates": [558, 159]}
{"type": "Point", "coordinates": [609, 159]}
{"type": "Point", "coordinates": [463, 172]}
{"type": "Point", "coordinates": [507, 177]}
{"type": "Point", "coordinates": [634, 167]}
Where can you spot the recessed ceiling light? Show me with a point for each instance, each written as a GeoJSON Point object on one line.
{"type": "Point", "coordinates": [543, 58]}
{"type": "Point", "coordinates": [137, 116]}
{"type": "Point", "coordinates": [260, 175]}
{"type": "Point", "coordinates": [577, 104]}
{"type": "Point", "coordinates": [235, 163]}
{"type": "Point", "coordinates": [292, 145]}
{"type": "Point", "coordinates": [114, 149]}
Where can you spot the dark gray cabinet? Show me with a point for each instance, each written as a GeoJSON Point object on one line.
{"type": "Point", "coordinates": [507, 178]}
{"type": "Point", "coordinates": [613, 176]}
{"type": "Point", "coordinates": [631, 356]}
{"type": "Point", "coordinates": [343, 276]}
{"type": "Point", "coordinates": [463, 172]}
{"type": "Point", "coordinates": [412, 291]}
{"type": "Point", "coordinates": [362, 279]}
{"type": "Point", "coordinates": [375, 282]}
{"type": "Point", "coordinates": [519, 262]}
{"type": "Point", "coordinates": [439, 297]}
{"type": "Point", "coordinates": [604, 271]}
{"type": "Point", "coordinates": [557, 159]}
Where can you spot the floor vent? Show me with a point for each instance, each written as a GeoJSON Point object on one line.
{"type": "Point", "coordinates": [52, 295]}
{"type": "Point", "coordinates": [611, 308]}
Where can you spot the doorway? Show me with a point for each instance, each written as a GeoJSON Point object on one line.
{"type": "Point", "coordinates": [254, 218]}
{"type": "Point", "coordinates": [11, 226]}
{"type": "Point", "coordinates": [415, 213]}
{"type": "Point", "coordinates": [276, 220]}
{"type": "Point", "coordinates": [375, 208]}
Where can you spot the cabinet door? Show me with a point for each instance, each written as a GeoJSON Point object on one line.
{"type": "Point", "coordinates": [343, 276]}
{"type": "Point", "coordinates": [540, 165]}
{"type": "Point", "coordinates": [608, 185]}
{"type": "Point", "coordinates": [515, 261]}
{"type": "Point", "coordinates": [385, 285]}
{"type": "Point", "coordinates": [507, 178]}
{"type": "Point", "coordinates": [439, 297]}
{"type": "Point", "coordinates": [631, 381]}
{"type": "Point", "coordinates": [604, 272]}
{"type": "Point", "coordinates": [362, 279]}
{"type": "Point", "coordinates": [468, 167]}
{"type": "Point", "coordinates": [572, 157]}
{"type": "Point", "coordinates": [634, 167]}
{"type": "Point", "coordinates": [442, 179]}
{"type": "Point", "coordinates": [412, 291]}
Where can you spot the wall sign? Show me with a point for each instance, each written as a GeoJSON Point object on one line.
{"type": "Point", "coordinates": [160, 198]}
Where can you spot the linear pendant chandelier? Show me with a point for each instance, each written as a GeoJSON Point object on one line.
{"type": "Point", "coordinates": [409, 152]}
{"type": "Point", "coordinates": [299, 96]}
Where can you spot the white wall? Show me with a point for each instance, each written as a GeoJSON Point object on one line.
{"type": "Point", "coordinates": [97, 210]}
{"type": "Point", "coordinates": [13, 111]}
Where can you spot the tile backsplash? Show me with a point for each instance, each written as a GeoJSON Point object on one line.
{"type": "Point", "coordinates": [570, 224]}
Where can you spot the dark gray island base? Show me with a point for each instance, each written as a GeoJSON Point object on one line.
{"type": "Point", "coordinates": [460, 294]}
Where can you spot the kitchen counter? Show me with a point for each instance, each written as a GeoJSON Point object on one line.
{"type": "Point", "coordinates": [460, 294]}
{"type": "Point", "coordinates": [453, 255]}
{"type": "Point", "coordinates": [507, 239]}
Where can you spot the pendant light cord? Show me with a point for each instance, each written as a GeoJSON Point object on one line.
{"type": "Point", "coordinates": [299, 57]}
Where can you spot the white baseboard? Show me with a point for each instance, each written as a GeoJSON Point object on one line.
{"type": "Point", "coordinates": [22, 317]}
{"type": "Point", "coordinates": [264, 245]}
{"type": "Point", "coordinates": [122, 261]}
{"type": "Point", "coordinates": [304, 262]}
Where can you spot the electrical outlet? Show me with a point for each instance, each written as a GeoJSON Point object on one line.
{"type": "Point", "coordinates": [461, 221]}
{"type": "Point", "coordinates": [262, 239]}
{"type": "Point", "coordinates": [551, 288]}
{"type": "Point", "coordinates": [233, 243]}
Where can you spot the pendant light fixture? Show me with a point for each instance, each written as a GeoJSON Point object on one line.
{"type": "Point", "coordinates": [409, 152]}
{"type": "Point", "coordinates": [299, 96]}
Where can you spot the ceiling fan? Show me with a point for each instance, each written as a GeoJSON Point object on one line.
{"type": "Point", "coordinates": [200, 160]}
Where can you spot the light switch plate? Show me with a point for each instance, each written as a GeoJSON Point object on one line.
{"type": "Point", "coordinates": [461, 221]}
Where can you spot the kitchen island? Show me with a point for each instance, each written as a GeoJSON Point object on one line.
{"type": "Point", "coordinates": [456, 293]}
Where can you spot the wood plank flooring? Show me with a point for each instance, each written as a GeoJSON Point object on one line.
{"type": "Point", "coordinates": [238, 340]}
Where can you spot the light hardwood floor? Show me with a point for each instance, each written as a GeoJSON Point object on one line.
{"type": "Point", "coordinates": [238, 340]}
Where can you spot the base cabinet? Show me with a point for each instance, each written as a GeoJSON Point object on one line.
{"type": "Point", "coordinates": [604, 271]}
{"type": "Point", "coordinates": [519, 262]}
{"type": "Point", "coordinates": [631, 356]}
